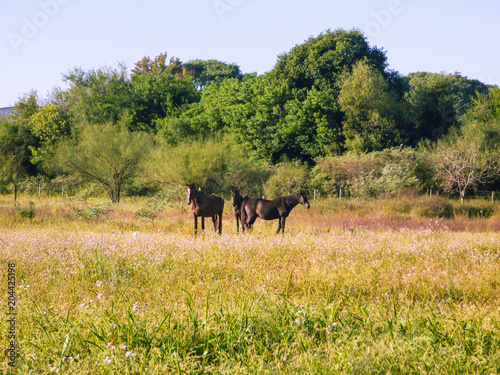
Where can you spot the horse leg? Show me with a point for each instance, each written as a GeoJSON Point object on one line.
{"type": "Point", "coordinates": [250, 220]}
{"type": "Point", "coordinates": [214, 220]}
{"type": "Point", "coordinates": [237, 222]}
{"type": "Point", "coordinates": [203, 224]}
{"type": "Point", "coordinates": [195, 223]}
{"type": "Point", "coordinates": [220, 223]}
{"type": "Point", "coordinates": [279, 226]}
{"type": "Point", "coordinates": [283, 226]}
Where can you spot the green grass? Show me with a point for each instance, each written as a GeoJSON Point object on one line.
{"type": "Point", "coordinates": [343, 291]}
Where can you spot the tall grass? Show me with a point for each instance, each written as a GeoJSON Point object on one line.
{"type": "Point", "coordinates": [123, 296]}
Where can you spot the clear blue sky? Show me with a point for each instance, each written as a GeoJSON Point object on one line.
{"type": "Point", "coordinates": [40, 40]}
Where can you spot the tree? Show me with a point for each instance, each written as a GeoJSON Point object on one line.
{"type": "Point", "coordinates": [107, 154]}
{"type": "Point", "coordinates": [97, 96]}
{"type": "Point", "coordinates": [322, 61]}
{"type": "Point", "coordinates": [436, 102]}
{"type": "Point", "coordinates": [50, 125]}
{"type": "Point", "coordinates": [159, 92]}
{"type": "Point", "coordinates": [462, 163]}
{"type": "Point", "coordinates": [371, 110]}
{"type": "Point", "coordinates": [16, 141]}
{"type": "Point", "coordinates": [206, 72]}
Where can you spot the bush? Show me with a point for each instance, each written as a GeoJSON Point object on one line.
{"type": "Point", "coordinates": [479, 209]}
{"type": "Point", "coordinates": [288, 178]}
{"type": "Point", "coordinates": [25, 213]}
{"type": "Point", "coordinates": [434, 207]}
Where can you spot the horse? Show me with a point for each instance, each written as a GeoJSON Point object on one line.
{"type": "Point", "coordinates": [278, 208]}
{"type": "Point", "coordinates": [237, 200]}
{"type": "Point", "coordinates": [205, 206]}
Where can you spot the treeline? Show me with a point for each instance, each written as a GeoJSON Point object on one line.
{"type": "Point", "coordinates": [329, 116]}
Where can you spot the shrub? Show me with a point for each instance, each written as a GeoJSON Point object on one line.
{"type": "Point", "coordinates": [25, 213]}
{"type": "Point", "coordinates": [434, 207]}
{"type": "Point", "coordinates": [479, 209]}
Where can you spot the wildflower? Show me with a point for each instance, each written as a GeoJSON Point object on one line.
{"type": "Point", "coordinates": [123, 347]}
{"type": "Point", "coordinates": [99, 296]}
{"type": "Point", "coordinates": [108, 360]}
{"type": "Point", "coordinates": [98, 283]}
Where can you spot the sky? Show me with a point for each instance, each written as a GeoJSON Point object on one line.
{"type": "Point", "coordinates": [41, 40]}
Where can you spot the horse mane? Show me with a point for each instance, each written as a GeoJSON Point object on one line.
{"type": "Point", "coordinates": [292, 199]}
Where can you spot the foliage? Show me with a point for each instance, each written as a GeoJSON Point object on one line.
{"type": "Point", "coordinates": [50, 125]}
{"type": "Point", "coordinates": [368, 175]}
{"type": "Point", "coordinates": [486, 107]}
{"type": "Point", "coordinates": [153, 207]}
{"type": "Point", "coordinates": [206, 72]}
{"type": "Point", "coordinates": [98, 95]}
{"type": "Point", "coordinates": [214, 164]}
{"type": "Point", "coordinates": [25, 213]}
{"type": "Point", "coordinates": [16, 143]}
{"type": "Point", "coordinates": [92, 214]}
{"type": "Point", "coordinates": [287, 178]}
{"type": "Point", "coordinates": [462, 162]}
{"type": "Point", "coordinates": [436, 102]}
{"type": "Point", "coordinates": [107, 154]}
{"type": "Point", "coordinates": [371, 111]}
{"type": "Point", "coordinates": [158, 96]}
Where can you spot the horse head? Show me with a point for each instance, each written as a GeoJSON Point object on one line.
{"type": "Point", "coordinates": [190, 192]}
{"type": "Point", "coordinates": [235, 193]}
{"type": "Point", "coordinates": [303, 199]}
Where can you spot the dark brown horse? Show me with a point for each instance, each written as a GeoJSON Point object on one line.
{"type": "Point", "coordinates": [278, 208]}
{"type": "Point", "coordinates": [237, 200]}
{"type": "Point", "coordinates": [205, 206]}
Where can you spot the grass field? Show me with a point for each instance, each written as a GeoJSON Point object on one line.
{"type": "Point", "coordinates": [352, 287]}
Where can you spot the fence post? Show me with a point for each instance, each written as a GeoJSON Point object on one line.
{"type": "Point", "coordinates": [492, 196]}
{"type": "Point", "coordinates": [340, 193]}
{"type": "Point", "coordinates": [135, 192]}
{"type": "Point", "coordinates": [15, 193]}
{"type": "Point", "coordinates": [39, 192]}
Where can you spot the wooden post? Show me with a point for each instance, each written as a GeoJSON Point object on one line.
{"type": "Point", "coordinates": [492, 196]}
{"type": "Point", "coordinates": [340, 193]}
{"type": "Point", "coordinates": [39, 192]}
{"type": "Point", "coordinates": [135, 192]}
{"type": "Point", "coordinates": [314, 194]}
{"type": "Point", "coordinates": [63, 191]}
{"type": "Point", "coordinates": [15, 193]}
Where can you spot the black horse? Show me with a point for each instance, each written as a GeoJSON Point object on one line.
{"type": "Point", "coordinates": [237, 200]}
{"type": "Point", "coordinates": [278, 208]}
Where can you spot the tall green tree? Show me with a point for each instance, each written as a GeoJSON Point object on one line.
{"type": "Point", "coordinates": [372, 111]}
{"type": "Point", "coordinates": [98, 95]}
{"type": "Point", "coordinates": [50, 125]}
{"type": "Point", "coordinates": [436, 102]}
{"type": "Point", "coordinates": [159, 91]}
{"type": "Point", "coordinates": [16, 141]}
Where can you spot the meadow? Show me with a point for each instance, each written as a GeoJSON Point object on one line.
{"type": "Point", "coordinates": [409, 285]}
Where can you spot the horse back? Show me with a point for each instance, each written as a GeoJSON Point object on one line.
{"type": "Point", "coordinates": [212, 205]}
